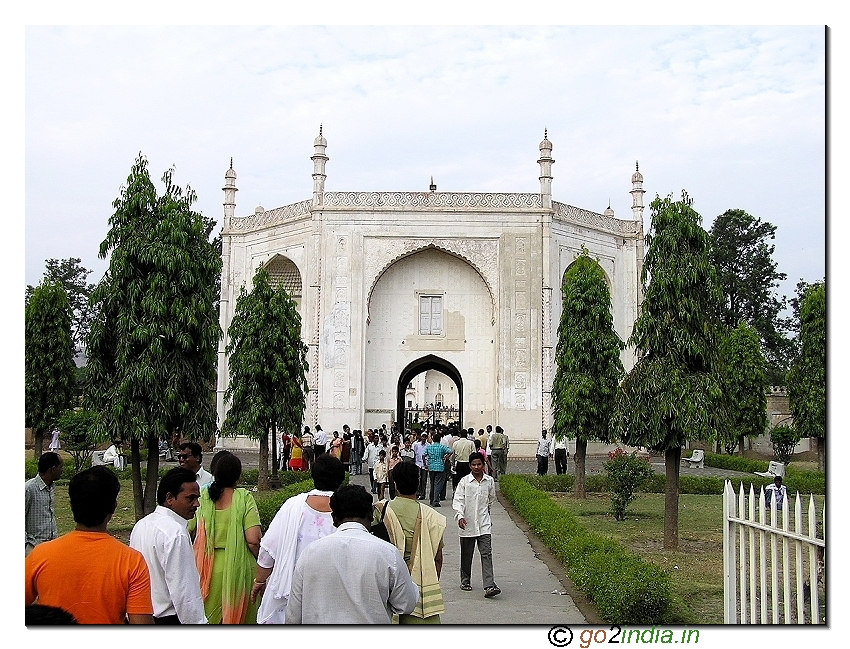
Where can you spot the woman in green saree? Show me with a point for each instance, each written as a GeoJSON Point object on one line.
{"type": "Point", "coordinates": [227, 540]}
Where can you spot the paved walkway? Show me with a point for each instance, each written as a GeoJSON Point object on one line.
{"type": "Point", "coordinates": [531, 592]}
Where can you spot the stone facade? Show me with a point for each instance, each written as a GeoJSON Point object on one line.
{"type": "Point", "coordinates": [393, 284]}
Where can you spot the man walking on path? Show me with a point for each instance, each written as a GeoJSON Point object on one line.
{"type": "Point", "coordinates": [561, 454]}
{"type": "Point", "coordinates": [498, 445]}
{"type": "Point", "coordinates": [350, 576]}
{"type": "Point", "coordinates": [474, 496]}
{"type": "Point", "coordinates": [462, 447]}
{"type": "Point", "coordinates": [39, 517]}
{"type": "Point", "coordinates": [544, 450]}
{"type": "Point", "coordinates": [436, 455]}
{"type": "Point", "coordinates": [163, 539]}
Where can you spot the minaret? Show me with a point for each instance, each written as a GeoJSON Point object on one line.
{"type": "Point", "coordinates": [546, 163]}
{"type": "Point", "coordinates": [229, 190]}
{"type": "Point", "coordinates": [319, 159]}
{"type": "Point", "coordinates": [637, 194]}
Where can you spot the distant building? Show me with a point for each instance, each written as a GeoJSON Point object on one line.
{"type": "Point", "coordinates": [394, 284]}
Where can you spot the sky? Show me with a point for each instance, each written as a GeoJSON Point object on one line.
{"type": "Point", "coordinates": [735, 115]}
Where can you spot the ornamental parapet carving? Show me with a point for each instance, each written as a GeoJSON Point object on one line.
{"type": "Point", "coordinates": [265, 219]}
{"type": "Point", "coordinates": [577, 215]}
{"type": "Point", "coordinates": [379, 253]}
{"type": "Point", "coordinates": [430, 200]}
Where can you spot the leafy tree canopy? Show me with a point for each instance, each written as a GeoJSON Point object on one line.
{"type": "Point", "coordinates": [72, 276]}
{"type": "Point", "coordinates": [748, 277]}
{"type": "Point", "coordinates": [587, 357]}
{"type": "Point", "coordinates": [745, 380]}
{"type": "Point", "coordinates": [674, 392]}
{"type": "Point", "coordinates": [267, 361]}
{"type": "Point", "coordinates": [807, 377]}
{"type": "Point", "coordinates": [49, 370]}
{"type": "Point", "coordinates": [152, 349]}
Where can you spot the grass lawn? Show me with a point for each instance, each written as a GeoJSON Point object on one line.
{"type": "Point", "coordinates": [695, 569]}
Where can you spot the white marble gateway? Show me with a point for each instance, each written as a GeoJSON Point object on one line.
{"type": "Point", "coordinates": [454, 292]}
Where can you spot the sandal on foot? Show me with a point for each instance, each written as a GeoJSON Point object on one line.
{"type": "Point", "coordinates": [465, 587]}
{"type": "Point", "coordinates": [492, 592]}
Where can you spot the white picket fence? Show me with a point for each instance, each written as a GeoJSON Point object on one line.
{"type": "Point", "coordinates": [773, 564]}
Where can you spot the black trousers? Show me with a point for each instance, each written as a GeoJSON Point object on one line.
{"type": "Point", "coordinates": [461, 469]}
{"type": "Point", "coordinates": [167, 619]}
{"type": "Point", "coordinates": [560, 460]}
{"type": "Point", "coordinates": [542, 464]}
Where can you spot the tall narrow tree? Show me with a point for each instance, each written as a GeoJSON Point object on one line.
{"type": "Point", "coordinates": [588, 362]}
{"type": "Point", "coordinates": [153, 345]}
{"type": "Point", "coordinates": [807, 377]}
{"type": "Point", "coordinates": [73, 277]}
{"type": "Point", "coordinates": [745, 380]}
{"type": "Point", "coordinates": [267, 361]}
{"type": "Point", "coordinates": [742, 254]}
{"type": "Point", "coordinates": [49, 371]}
{"type": "Point", "coordinates": [674, 392]}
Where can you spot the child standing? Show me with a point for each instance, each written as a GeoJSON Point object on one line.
{"type": "Point", "coordinates": [381, 473]}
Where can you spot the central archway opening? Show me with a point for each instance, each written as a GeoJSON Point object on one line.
{"type": "Point", "coordinates": [437, 403]}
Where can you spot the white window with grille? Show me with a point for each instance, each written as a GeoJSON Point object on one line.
{"type": "Point", "coordinates": [430, 315]}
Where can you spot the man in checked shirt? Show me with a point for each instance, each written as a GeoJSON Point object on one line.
{"type": "Point", "coordinates": [40, 519]}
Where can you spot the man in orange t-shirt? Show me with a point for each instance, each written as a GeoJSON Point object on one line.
{"type": "Point", "coordinates": [88, 572]}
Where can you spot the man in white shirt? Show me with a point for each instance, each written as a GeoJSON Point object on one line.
{"type": "Point", "coordinates": [421, 462]}
{"type": "Point", "coordinates": [544, 450]}
{"type": "Point", "coordinates": [190, 458]}
{"type": "Point", "coordinates": [473, 498]}
{"type": "Point", "coordinates": [163, 539]}
{"type": "Point", "coordinates": [302, 519]}
{"type": "Point", "coordinates": [350, 576]}
{"type": "Point", "coordinates": [373, 448]}
{"type": "Point", "coordinates": [320, 441]}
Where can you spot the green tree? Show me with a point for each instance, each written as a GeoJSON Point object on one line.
{"type": "Point", "coordinates": [748, 276]}
{"type": "Point", "coordinates": [267, 361]}
{"type": "Point", "coordinates": [153, 346]}
{"type": "Point", "coordinates": [745, 380]}
{"type": "Point", "coordinates": [49, 370]}
{"type": "Point", "coordinates": [807, 377]}
{"type": "Point", "coordinates": [77, 428]}
{"type": "Point", "coordinates": [674, 392]}
{"type": "Point", "coordinates": [588, 362]}
{"type": "Point", "coordinates": [73, 277]}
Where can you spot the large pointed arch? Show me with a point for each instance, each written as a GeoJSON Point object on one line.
{"type": "Point", "coordinates": [423, 364]}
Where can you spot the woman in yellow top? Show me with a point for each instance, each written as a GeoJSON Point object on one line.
{"type": "Point", "coordinates": [227, 542]}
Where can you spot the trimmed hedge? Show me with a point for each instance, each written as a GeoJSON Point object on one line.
{"type": "Point", "coordinates": [625, 588]}
{"type": "Point", "coordinates": [796, 480]}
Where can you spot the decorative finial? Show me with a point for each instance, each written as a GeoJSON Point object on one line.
{"type": "Point", "coordinates": [320, 129]}
{"type": "Point", "coordinates": [636, 166]}
{"type": "Point", "coordinates": [545, 133]}
{"type": "Point", "coordinates": [432, 186]}
{"type": "Point", "coordinates": [231, 162]}
{"type": "Point", "coordinates": [609, 203]}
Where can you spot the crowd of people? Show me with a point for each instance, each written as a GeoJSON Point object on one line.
{"type": "Point", "coordinates": [329, 556]}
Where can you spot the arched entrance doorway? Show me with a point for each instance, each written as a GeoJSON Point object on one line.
{"type": "Point", "coordinates": [429, 362]}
